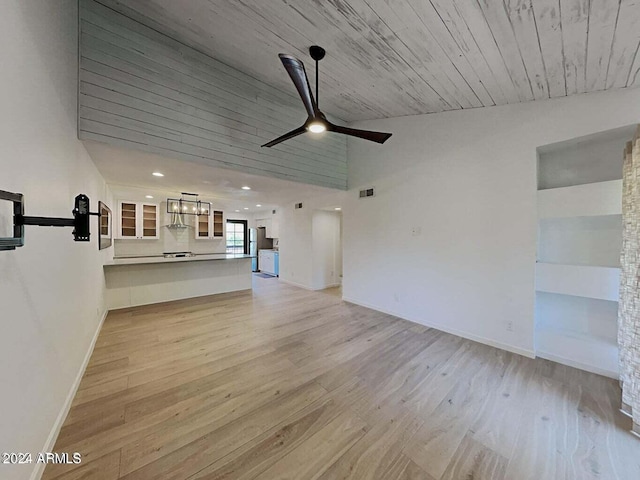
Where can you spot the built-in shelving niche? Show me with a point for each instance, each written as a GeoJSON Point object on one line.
{"type": "Point", "coordinates": [577, 331]}
{"type": "Point", "coordinates": [578, 254]}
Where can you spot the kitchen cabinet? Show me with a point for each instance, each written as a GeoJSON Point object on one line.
{"type": "Point", "coordinates": [275, 228]}
{"type": "Point", "coordinates": [263, 223]}
{"type": "Point", "coordinates": [218, 223]}
{"type": "Point", "coordinates": [138, 220]}
{"type": "Point", "coordinates": [270, 225]}
{"type": "Point", "coordinates": [267, 262]}
{"type": "Point", "coordinates": [210, 226]}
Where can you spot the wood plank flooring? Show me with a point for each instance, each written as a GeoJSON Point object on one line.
{"type": "Point", "coordinates": [284, 383]}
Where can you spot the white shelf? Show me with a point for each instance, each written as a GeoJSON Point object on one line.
{"type": "Point", "coordinates": [595, 240]}
{"type": "Point", "coordinates": [583, 281]}
{"type": "Point", "coordinates": [590, 353]}
{"type": "Point", "coordinates": [578, 314]}
{"type": "Point", "coordinates": [602, 198]}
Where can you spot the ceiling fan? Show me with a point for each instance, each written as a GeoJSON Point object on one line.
{"type": "Point", "coordinates": [316, 122]}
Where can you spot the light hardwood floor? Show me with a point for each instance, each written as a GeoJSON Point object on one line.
{"type": "Point", "coordinates": [284, 383]}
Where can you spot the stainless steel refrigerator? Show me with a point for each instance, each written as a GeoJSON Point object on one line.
{"type": "Point", "coordinates": [258, 241]}
{"type": "Point", "coordinates": [253, 248]}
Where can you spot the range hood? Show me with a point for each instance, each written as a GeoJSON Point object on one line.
{"type": "Point", "coordinates": [178, 207]}
{"type": "Point", "coordinates": [177, 221]}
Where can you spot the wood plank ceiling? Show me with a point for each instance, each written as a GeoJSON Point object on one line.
{"type": "Point", "coordinates": [390, 58]}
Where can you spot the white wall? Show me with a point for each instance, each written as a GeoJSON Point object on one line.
{"type": "Point", "coordinates": [326, 249]}
{"type": "Point", "coordinates": [51, 290]}
{"type": "Point", "coordinates": [296, 261]}
{"type": "Point", "coordinates": [298, 241]}
{"type": "Point", "coordinates": [468, 179]}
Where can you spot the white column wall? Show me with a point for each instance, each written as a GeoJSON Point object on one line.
{"type": "Point", "coordinates": [52, 289]}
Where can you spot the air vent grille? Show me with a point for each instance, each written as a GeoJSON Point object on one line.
{"type": "Point", "coordinates": [298, 206]}
{"type": "Point", "coordinates": [367, 192]}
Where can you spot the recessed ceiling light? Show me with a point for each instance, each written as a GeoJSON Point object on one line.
{"type": "Point", "coordinates": [237, 210]}
{"type": "Point", "coordinates": [246, 208]}
{"type": "Point", "coordinates": [258, 205]}
{"type": "Point", "coordinates": [246, 188]}
{"type": "Point", "coordinates": [158, 174]}
{"type": "Point", "coordinates": [337, 208]}
{"type": "Point", "coordinates": [148, 196]}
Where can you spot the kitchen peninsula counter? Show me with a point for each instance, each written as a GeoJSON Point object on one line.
{"type": "Point", "coordinates": [143, 280]}
{"type": "Point", "coordinates": [142, 259]}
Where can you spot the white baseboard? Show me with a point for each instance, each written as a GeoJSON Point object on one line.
{"type": "Point", "coordinates": [470, 336]}
{"type": "Point", "coordinates": [295, 284]}
{"type": "Point", "coordinates": [62, 416]}
{"type": "Point", "coordinates": [579, 365]}
{"type": "Point", "coordinates": [624, 412]}
{"type": "Point", "coordinates": [306, 287]}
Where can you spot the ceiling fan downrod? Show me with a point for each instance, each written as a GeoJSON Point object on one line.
{"type": "Point", "coordinates": [317, 53]}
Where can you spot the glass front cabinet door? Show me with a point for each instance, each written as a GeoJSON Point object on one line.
{"type": "Point", "coordinates": [138, 220]}
{"type": "Point", "coordinates": [210, 225]}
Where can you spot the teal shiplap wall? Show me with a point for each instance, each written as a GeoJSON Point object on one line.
{"type": "Point", "coordinates": [141, 89]}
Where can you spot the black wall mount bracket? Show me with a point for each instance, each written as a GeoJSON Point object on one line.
{"type": "Point", "coordinates": [80, 221]}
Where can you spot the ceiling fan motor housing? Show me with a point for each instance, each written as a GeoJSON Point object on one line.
{"type": "Point", "coordinates": [316, 52]}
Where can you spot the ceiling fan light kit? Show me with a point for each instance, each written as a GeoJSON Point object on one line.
{"type": "Point", "coordinates": [316, 121]}
{"type": "Point", "coordinates": [317, 127]}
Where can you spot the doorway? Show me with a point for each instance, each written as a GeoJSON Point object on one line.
{"type": "Point", "coordinates": [237, 237]}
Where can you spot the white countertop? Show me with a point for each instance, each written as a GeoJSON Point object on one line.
{"type": "Point", "coordinates": [138, 260]}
